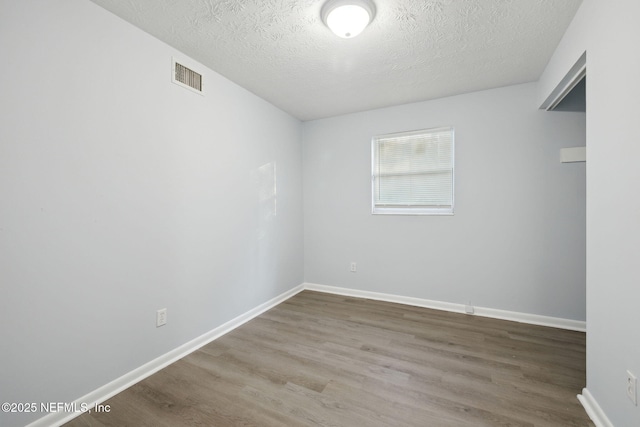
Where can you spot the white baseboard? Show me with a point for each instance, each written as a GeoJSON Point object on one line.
{"type": "Point", "coordinates": [594, 410]}
{"type": "Point", "coordinates": [55, 419]}
{"type": "Point", "coordinates": [533, 319]}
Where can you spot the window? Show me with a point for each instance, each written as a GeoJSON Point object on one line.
{"type": "Point", "coordinates": [412, 172]}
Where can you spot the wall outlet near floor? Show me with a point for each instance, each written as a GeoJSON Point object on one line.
{"type": "Point", "coordinates": [353, 267]}
{"type": "Point", "coordinates": [632, 383]}
{"type": "Point", "coordinates": [469, 309]}
{"type": "Point", "coordinates": [161, 317]}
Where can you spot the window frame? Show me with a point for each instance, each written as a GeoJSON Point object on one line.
{"type": "Point", "coordinates": [411, 209]}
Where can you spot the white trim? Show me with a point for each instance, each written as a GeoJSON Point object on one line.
{"type": "Point", "coordinates": [594, 410]}
{"type": "Point", "coordinates": [380, 209]}
{"type": "Point", "coordinates": [570, 80]}
{"type": "Point", "coordinates": [55, 419]}
{"type": "Point", "coordinates": [416, 302]}
{"type": "Point", "coordinates": [412, 211]}
{"type": "Point", "coordinates": [533, 319]}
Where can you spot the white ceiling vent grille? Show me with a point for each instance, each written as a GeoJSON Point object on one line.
{"type": "Point", "coordinates": [186, 77]}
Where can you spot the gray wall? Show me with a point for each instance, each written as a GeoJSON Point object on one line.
{"type": "Point", "coordinates": [517, 239]}
{"type": "Point", "coordinates": [122, 193]}
{"type": "Point", "coordinates": [609, 33]}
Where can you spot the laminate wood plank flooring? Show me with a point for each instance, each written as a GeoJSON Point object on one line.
{"type": "Point", "coordinates": [327, 360]}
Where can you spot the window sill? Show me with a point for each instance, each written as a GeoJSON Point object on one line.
{"type": "Point", "coordinates": [411, 211]}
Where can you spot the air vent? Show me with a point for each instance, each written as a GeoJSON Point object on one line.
{"type": "Point", "coordinates": [186, 77]}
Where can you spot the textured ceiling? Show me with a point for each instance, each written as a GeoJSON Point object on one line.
{"type": "Point", "coordinates": [414, 50]}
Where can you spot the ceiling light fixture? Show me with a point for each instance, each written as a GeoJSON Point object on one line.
{"type": "Point", "coordinates": [347, 18]}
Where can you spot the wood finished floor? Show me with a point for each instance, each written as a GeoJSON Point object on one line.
{"type": "Point", "coordinates": [326, 360]}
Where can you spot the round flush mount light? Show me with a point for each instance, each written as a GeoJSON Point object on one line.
{"type": "Point", "coordinates": [347, 18]}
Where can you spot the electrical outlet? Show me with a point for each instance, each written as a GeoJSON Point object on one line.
{"type": "Point", "coordinates": [161, 317]}
{"type": "Point", "coordinates": [469, 309]}
{"type": "Point", "coordinates": [353, 267]}
{"type": "Point", "coordinates": [632, 383]}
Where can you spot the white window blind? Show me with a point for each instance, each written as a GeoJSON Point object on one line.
{"type": "Point", "coordinates": [412, 172]}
